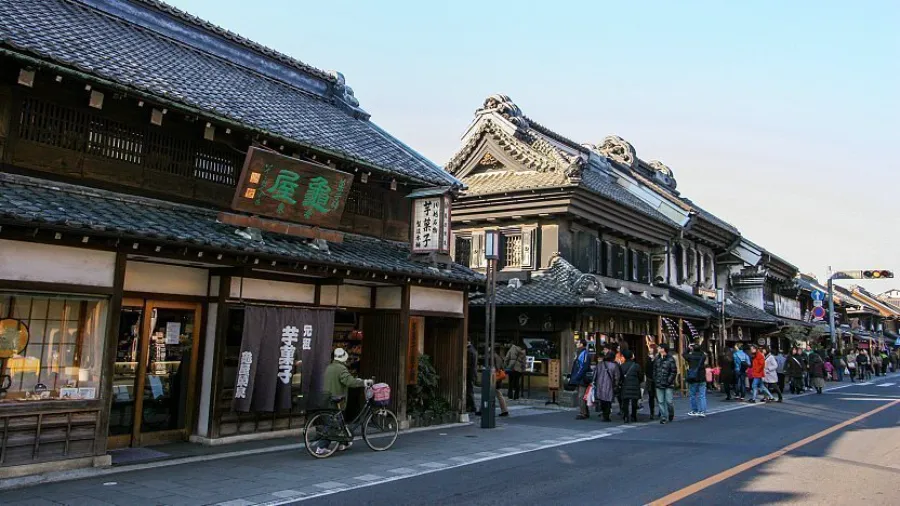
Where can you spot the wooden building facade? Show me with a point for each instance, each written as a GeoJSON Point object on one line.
{"type": "Point", "coordinates": [126, 269]}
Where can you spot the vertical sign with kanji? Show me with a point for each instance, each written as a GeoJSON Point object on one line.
{"type": "Point", "coordinates": [282, 187]}
{"type": "Point", "coordinates": [431, 225]}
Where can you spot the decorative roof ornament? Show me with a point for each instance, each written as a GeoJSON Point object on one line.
{"type": "Point", "coordinates": [618, 149]}
{"type": "Point", "coordinates": [504, 106]}
{"type": "Point", "coordinates": [588, 284]}
{"type": "Point", "coordinates": [343, 92]}
{"type": "Point", "coordinates": [488, 160]}
{"type": "Point", "coordinates": [658, 166]}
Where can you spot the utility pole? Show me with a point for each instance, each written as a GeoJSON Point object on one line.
{"type": "Point", "coordinates": [834, 342]}
{"type": "Point", "coordinates": [491, 255]}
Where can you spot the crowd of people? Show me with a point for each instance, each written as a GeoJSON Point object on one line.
{"type": "Point", "coordinates": [745, 373]}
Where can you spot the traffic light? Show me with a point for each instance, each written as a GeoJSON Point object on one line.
{"type": "Point", "coordinates": [877, 274]}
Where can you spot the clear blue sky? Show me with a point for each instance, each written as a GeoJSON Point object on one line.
{"type": "Point", "coordinates": [780, 117]}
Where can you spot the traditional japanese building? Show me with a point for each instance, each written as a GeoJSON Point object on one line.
{"type": "Point", "coordinates": [190, 222]}
{"type": "Point", "coordinates": [577, 248]}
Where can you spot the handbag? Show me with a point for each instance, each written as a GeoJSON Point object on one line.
{"type": "Point", "coordinates": [499, 375]}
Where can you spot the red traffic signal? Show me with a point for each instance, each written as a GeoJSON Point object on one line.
{"type": "Point", "coordinates": [877, 274]}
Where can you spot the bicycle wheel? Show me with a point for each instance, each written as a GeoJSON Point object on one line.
{"type": "Point", "coordinates": [318, 428]}
{"type": "Point", "coordinates": [380, 429]}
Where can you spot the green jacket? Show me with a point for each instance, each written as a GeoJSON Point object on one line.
{"type": "Point", "coordinates": [338, 380]}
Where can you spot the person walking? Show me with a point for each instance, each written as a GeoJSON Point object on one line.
{"type": "Point", "coordinates": [631, 386]}
{"type": "Point", "coordinates": [877, 362]}
{"type": "Point", "coordinates": [862, 365]}
{"type": "Point", "coordinates": [726, 374]}
{"type": "Point", "coordinates": [580, 377]}
{"type": "Point", "coordinates": [771, 374]}
{"type": "Point", "coordinates": [499, 375]}
{"type": "Point", "coordinates": [839, 365]}
{"type": "Point", "coordinates": [757, 374]}
{"type": "Point", "coordinates": [793, 368]}
{"type": "Point", "coordinates": [741, 367]}
{"type": "Point", "coordinates": [649, 383]}
{"type": "Point", "coordinates": [851, 365]}
{"type": "Point", "coordinates": [471, 375]}
{"type": "Point", "coordinates": [607, 380]}
{"type": "Point", "coordinates": [696, 379]}
{"type": "Point", "coordinates": [665, 370]}
{"type": "Point", "coordinates": [817, 372]}
{"type": "Point", "coordinates": [515, 367]}
{"type": "Point", "coordinates": [804, 356]}
{"type": "Point", "coordinates": [781, 359]}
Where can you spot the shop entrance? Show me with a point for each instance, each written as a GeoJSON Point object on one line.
{"type": "Point", "coordinates": [155, 370]}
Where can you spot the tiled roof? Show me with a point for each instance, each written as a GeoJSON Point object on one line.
{"type": "Point", "coordinates": [79, 37]}
{"type": "Point", "coordinates": [505, 181]}
{"type": "Point", "coordinates": [735, 309]}
{"type": "Point", "coordinates": [600, 183]}
{"type": "Point", "coordinates": [712, 218]}
{"type": "Point", "coordinates": [34, 201]}
{"type": "Point", "coordinates": [557, 286]}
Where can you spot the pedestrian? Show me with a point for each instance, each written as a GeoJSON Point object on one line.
{"type": "Point", "coordinates": [649, 383]}
{"type": "Point", "coordinates": [338, 381]}
{"type": "Point", "coordinates": [499, 376]}
{"type": "Point", "coordinates": [781, 359]}
{"type": "Point", "coordinates": [805, 357]}
{"type": "Point", "coordinates": [727, 374]}
{"type": "Point", "coordinates": [793, 368]}
{"type": "Point", "coordinates": [696, 379]}
{"type": "Point", "coordinates": [839, 365]}
{"type": "Point", "coordinates": [771, 374]}
{"type": "Point", "coordinates": [877, 362]}
{"type": "Point", "coordinates": [664, 373]}
{"type": "Point", "coordinates": [851, 365]}
{"type": "Point", "coordinates": [757, 374]}
{"type": "Point", "coordinates": [741, 367]}
{"type": "Point", "coordinates": [515, 367]}
{"type": "Point", "coordinates": [471, 375]}
{"type": "Point", "coordinates": [863, 364]}
{"type": "Point", "coordinates": [817, 372]}
{"type": "Point", "coordinates": [631, 386]}
{"type": "Point", "coordinates": [580, 377]}
{"type": "Point", "coordinates": [607, 381]}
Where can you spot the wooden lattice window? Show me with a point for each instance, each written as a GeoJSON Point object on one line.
{"type": "Point", "coordinates": [52, 124]}
{"type": "Point", "coordinates": [115, 141]}
{"type": "Point", "coordinates": [464, 251]}
{"type": "Point", "coordinates": [512, 251]}
{"type": "Point", "coordinates": [364, 203]}
{"type": "Point", "coordinates": [216, 167]}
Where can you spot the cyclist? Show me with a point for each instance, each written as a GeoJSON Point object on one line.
{"type": "Point", "coordinates": [338, 381]}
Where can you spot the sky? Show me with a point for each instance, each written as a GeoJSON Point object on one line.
{"type": "Point", "coordinates": [782, 118]}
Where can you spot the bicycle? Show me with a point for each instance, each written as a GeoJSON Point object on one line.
{"type": "Point", "coordinates": [375, 423]}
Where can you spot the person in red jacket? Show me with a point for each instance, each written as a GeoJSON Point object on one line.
{"type": "Point", "coordinates": [756, 374]}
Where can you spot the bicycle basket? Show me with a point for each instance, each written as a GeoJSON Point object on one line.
{"type": "Point", "coordinates": [381, 394]}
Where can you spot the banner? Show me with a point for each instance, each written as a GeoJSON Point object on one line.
{"type": "Point", "coordinates": [275, 339]}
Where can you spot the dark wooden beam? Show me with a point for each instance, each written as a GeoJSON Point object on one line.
{"type": "Point", "coordinates": [113, 317]}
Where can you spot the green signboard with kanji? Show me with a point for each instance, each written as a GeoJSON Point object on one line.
{"type": "Point", "coordinates": [290, 189]}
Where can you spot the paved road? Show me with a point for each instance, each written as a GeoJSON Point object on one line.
{"type": "Point", "coordinates": [541, 457]}
{"type": "Point", "coordinates": [858, 460]}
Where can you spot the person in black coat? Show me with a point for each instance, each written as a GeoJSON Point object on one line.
{"type": "Point", "coordinates": [726, 373]}
{"type": "Point", "coordinates": [631, 386]}
{"type": "Point", "coordinates": [471, 374]}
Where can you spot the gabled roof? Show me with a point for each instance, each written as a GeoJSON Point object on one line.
{"type": "Point", "coordinates": [563, 285]}
{"type": "Point", "coordinates": [886, 309]}
{"type": "Point", "coordinates": [735, 308]}
{"type": "Point", "coordinates": [30, 201]}
{"type": "Point", "coordinates": [155, 50]}
{"type": "Point", "coordinates": [544, 158]}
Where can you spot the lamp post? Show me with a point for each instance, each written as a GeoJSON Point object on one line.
{"type": "Point", "coordinates": [491, 255]}
{"type": "Point", "coordinates": [834, 342]}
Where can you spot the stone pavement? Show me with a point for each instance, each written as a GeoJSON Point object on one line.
{"type": "Point", "coordinates": [256, 476]}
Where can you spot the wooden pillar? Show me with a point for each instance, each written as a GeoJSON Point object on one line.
{"type": "Point", "coordinates": [403, 352]}
{"type": "Point", "coordinates": [681, 350]}
{"type": "Point", "coordinates": [465, 352]}
{"type": "Point", "coordinates": [659, 330]}
{"type": "Point", "coordinates": [217, 383]}
{"type": "Point", "coordinates": [109, 358]}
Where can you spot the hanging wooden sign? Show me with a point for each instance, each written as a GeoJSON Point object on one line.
{"type": "Point", "coordinates": [290, 189]}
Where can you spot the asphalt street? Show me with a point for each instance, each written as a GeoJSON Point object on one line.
{"type": "Point", "coordinates": [770, 454]}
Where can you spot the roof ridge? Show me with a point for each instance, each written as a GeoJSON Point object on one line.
{"type": "Point", "coordinates": [237, 38]}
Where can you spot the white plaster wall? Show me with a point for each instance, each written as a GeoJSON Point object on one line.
{"type": "Point", "coordinates": [388, 297]}
{"type": "Point", "coordinates": [435, 299]}
{"type": "Point", "coordinates": [214, 286]}
{"type": "Point", "coordinates": [280, 291]}
{"type": "Point", "coordinates": [354, 296]}
{"type": "Point", "coordinates": [170, 279]}
{"type": "Point", "coordinates": [328, 295]}
{"type": "Point", "coordinates": [24, 261]}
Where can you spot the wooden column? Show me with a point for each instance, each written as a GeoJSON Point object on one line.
{"type": "Point", "coordinates": [464, 351]}
{"type": "Point", "coordinates": [402, 395]}
{"type": "Point", "coordinates": [216, 384]}
{"type": "Point", "coordinates": [109, 358]}
{"type": "Point", "coordinates": [659, 330]}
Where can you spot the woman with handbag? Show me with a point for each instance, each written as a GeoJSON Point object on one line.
{"type": "Point", "coordinates": [607, 380]}
{"type": "Point", "coordinates": [499, 376]}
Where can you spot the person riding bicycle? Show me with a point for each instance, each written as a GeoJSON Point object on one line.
{"type": "Point", "coordinates": [338, 382]}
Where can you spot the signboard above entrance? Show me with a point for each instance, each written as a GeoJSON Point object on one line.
{"type": "Point", "coordinates": [290, 189]}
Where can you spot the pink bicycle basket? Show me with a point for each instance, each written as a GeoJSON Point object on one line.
{"type": "Point", "coordinates": [381, 394]}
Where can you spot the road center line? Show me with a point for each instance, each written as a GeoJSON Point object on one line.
{"type": "Point", "coordinates": [750, 464]}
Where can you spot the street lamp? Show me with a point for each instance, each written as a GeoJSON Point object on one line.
{"type": "Point", "coordinates": [491, 255]}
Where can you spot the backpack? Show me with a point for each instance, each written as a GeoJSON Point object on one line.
{"type": "Point", "coordinates": [744, 366]}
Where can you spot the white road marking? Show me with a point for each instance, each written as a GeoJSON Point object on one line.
{"type": "Point", "coordinates": [369, 477]}
{"type": "Point", "coordinates": [867, 398]}
{"type": "Point", "coordinates": [402, 470]}
{"type": "Point", "coordinates": [331, 485]}
{"type": "Point", "coordinates": [435, 465]}
{"type": "Point", "coordinates": [237, 502]}
{"type": "Point", "coordinates": [887, 384]}
{"type": "Point", "coordinates": [288, 494]}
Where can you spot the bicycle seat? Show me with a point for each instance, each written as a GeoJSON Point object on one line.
{"type": "Point", "coordinates": [337, 399]}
